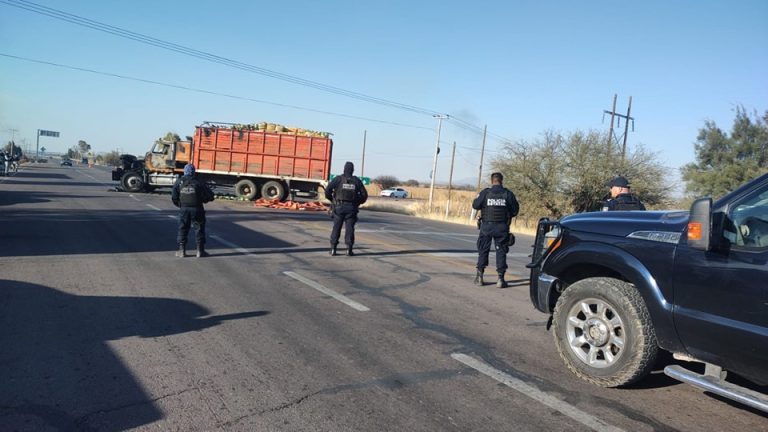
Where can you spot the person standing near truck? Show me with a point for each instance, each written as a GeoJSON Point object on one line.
{"type": "Point", "coordinates": [498, 205]}
{"type": "Point", "coordinates": [621, 197]}
{"type": "Point", "coordinates": [189, 194]}
{"type": "Point", "coordinates": [346, 193]}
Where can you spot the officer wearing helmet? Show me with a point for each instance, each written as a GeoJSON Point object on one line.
{"type": "Point", "coordinates": [621, 197]}
{"type": "Point", "coordinates": [498, 205]}
{"type": "Point", "coordinates": [189, 194]}
{"type": "Point", "coordinates": [347, 193]}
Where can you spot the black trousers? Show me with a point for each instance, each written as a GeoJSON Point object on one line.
{"type": "Point", "coordinates": [498, 233]}
{"type": "Point", "coordinates": [344, 214]}
{"type": "Point", "coordinates": [191, 216]}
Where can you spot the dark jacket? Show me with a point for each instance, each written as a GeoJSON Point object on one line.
{"type": "Point", "coordinates": [625, 201]}
{"type": "Point", "coordinates": [513, 207]}
{"type": "Point", "coordinates": [203, 192]}
{"type": "Point", "coordinates": [361, 195]}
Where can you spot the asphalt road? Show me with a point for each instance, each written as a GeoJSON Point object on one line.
{"type": "Point", "coordinates": [103, 329]}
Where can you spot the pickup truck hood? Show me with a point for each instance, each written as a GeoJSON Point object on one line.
{"type": "Point", "coordinates": [623, 223]}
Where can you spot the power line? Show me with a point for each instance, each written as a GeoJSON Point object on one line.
{"type": "Point", "coordinates": [149, 40]}
{"type": "Point", "coordinates": [197, 90]}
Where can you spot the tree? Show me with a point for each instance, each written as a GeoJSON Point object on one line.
{"type": "Point", "coordinates": [559, 174]}
{"type": "Point", "coordinates": [112, 158]}
{"type": "Point", "coordinates": [723, 161]}
{"type": "Point", "coordinates": [386, 181]}
{"type": "Point", "coordinates": [83, 147]}
{"type": "Point", "coordinates": [16, 149]}
{"type": "Point", "coordinates": [171, 136]}
{"type": "Point", "coordinates": [412, 183]}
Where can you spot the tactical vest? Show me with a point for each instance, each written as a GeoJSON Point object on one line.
{"type": "Point", "coordinates": [346, 190]}
{"type": "Point", "coordinates": [495, 209]}
{"type": "Point", "coordinates": [627, 203]}
{"type": "Point", "coordinates": [188, 194]}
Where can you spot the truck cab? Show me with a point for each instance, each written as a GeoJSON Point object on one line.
{"type": "Point", "coordinates": [620, 286]}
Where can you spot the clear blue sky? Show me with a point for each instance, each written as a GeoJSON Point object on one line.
{"type": "Point", "coordinates": [521, 67]}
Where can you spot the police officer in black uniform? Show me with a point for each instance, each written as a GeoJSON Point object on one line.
{"type": "Point", "coordinates": [621, 197]}
{"type": "Point", "coordinates": [498, 205]}
{"type": "Point", "coordinates": [189, 194]}
{"type": "Point", "coordinates": [347, 193]}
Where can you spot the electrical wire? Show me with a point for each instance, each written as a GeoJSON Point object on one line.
{"type": "Point", "coordinates": [197, 90]}
{"type": "Point", "coordinates": [149, 40]}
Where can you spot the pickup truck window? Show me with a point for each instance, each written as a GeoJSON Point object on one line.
{"type": "Point", "coordinates": [749, 219]}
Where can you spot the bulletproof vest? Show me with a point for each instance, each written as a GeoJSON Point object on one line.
{"type": "Point", "coordinates": [495, 209]}
{"type": "Point", "coordinates": [627, 202]}
{"type": "Point", "coordinates": [346, 191]}
{"type": "Point", "coordinates": [188, 194]}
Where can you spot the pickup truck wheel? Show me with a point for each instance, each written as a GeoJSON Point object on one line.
{"type": "Point", "coordinates": [604, 333]}
{"type": "Point", "coordinates": [132, 182]}
{"type": "Point", "coordinates": [273, 190]}
{"type": "Point", "coordinates": [246, 189]}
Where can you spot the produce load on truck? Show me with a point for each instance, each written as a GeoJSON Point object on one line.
{"type": "Point", "coordinates": [258, 160]}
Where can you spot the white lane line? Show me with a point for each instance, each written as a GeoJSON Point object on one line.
{"type": "Point", "coordinates": [327, 291]}
{"type": "Point", "coordinates": [534, 393]}
{"type": "Point", "coordinates": [474, 254]}
{"type": "Point", "coordinates": [430, 233]}
{"type": "Point", "coordinates": [171, 216]}
{"type": "Point", "coordinates": [136, 199]}
{"type": "Point", "coordinates": [154, 208]}
{"type": "Point", "coordinates": [230, 244]}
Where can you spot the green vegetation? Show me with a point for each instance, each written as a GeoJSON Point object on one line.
{"type": "Point", "coordinates": [723, 161]}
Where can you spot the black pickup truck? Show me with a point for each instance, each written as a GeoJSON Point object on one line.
{"type": "Point", "coordinates": [620, 286]}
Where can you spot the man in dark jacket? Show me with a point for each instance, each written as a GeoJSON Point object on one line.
{"type": "Point", "coordinates": [189, 194]}
{"type": "Point", "coordinates": [498, 206]}
{"type": "Point", "coordinates": [621, 197]}
{"type": "Point", "coordinates": [346, 192]}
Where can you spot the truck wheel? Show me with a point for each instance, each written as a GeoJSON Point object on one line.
{"type": "Point", "coordinates": [132, 182]}
{"type": "Point", "coordinates": [246, 189]}
{"type": "Point", "coordinates": [603, 332]}
{"type": "Point", "coordinates": [273, 190]}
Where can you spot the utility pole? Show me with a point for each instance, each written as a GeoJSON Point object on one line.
{"type": "Point", "coordinates": [362, 164]}
{"type": "Point", "coordinates": [627, 119]}
{"type": "Point", "coordinates": [473, 213]}
{"type": "Point", "coordinates": [450, 180]}
{"type": "Point", "coordinates": [439, 118]}
{"type": "Point", "coordinates": [13, 138]}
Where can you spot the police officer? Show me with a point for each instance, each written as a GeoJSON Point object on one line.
{"type": "Point", "coordinates": [498, 205]}
{"type": "Point", "coordinates": [621, 197]}
{"type": "Point", "coordinates": [346, 192]}
{"type": "Point", "coordinates": [189, 194]}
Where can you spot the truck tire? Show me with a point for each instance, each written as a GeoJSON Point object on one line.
{"type": "Point", "coordinates": [246, 189]}
{"type": "Point", "coordinates": [603, 332]}
{"type": "Point", "coordinates": [273, 190]}
{"type": "Point", "coordinates": [132, 182]}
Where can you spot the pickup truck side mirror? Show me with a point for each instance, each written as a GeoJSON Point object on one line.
{"type": "Point", "coordinates": [700, 224]}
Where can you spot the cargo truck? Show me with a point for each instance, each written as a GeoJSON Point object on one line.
{"type": "Point", "coordinates": [270, 162]}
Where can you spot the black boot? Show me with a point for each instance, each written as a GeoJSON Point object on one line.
{"type": "Point", "coordinates": [479, 278]}
{"type": "Point", "coordinates": [349, 251]}
{"type": "Point", "coordinates": [501, 283]}
{"type": "Point", "coordinates": [182, 252]}
{"type": "Point", "coordinates": [201, 253]}
{"type": "Point", "coordinates": [332, 252]}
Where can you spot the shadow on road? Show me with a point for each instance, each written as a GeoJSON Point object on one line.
{"type": "Point", "coordinates": [58, 372]}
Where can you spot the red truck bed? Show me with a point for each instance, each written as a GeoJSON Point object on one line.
{"type": "Point", "coordinates": [228, 151]}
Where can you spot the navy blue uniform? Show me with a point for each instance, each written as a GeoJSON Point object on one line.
{"type": "Point", "coordinates": [189, 194]}
{"type": "Point", "coordinates": [347, 193]}
{"type": "Point", "coordinates": [498, 206]}
{"type": "Point", "coordinates": [625, 201]}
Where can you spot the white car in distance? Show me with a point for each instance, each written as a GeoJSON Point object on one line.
{"type": "Point", "coordinates": [394, 193]}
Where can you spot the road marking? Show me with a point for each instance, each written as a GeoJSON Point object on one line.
{"type": "Point", "coordinates": [432, 233]}
{"type": "Point", "coordinates": [534, 393]}
{"type": "Point", "coordinates": [230, 244]}
{"type": "Point", "coordinates": [327, 291]}
{"type": "Point", "coordinates": [171, 216]}
{"type": "Point", "coordinates": [131, 195]}
{"type": "Point", "coordinates": [154, 208]}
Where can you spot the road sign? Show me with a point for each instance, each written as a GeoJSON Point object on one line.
{"type": "Point", "coordinates": [49, 133]}
{"type": "Point", "coordinates": [366, 180]}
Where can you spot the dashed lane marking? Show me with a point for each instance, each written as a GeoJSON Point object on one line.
{"type": "Point", "coordinates": [154, 208]}
{"type": "Point", "coordinates": [230, 244]}
{"type": "Point", "coordinates": [327, 291]}
{"type": "Point", "coordinates": [534, 393]}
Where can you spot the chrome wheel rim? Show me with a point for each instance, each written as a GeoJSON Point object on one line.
{"type": "Point", "coordinates": [595, 333]}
